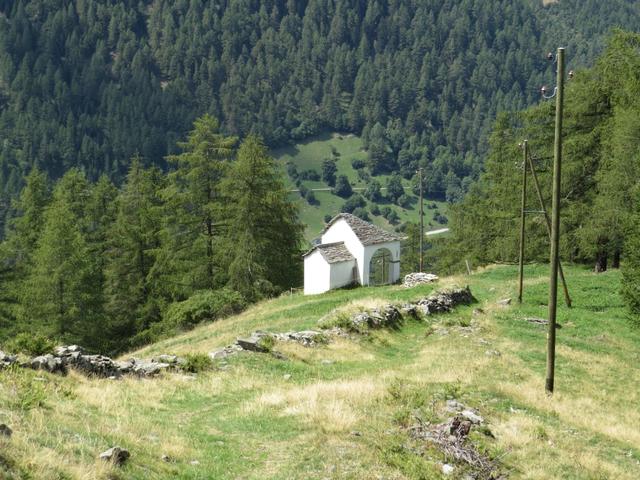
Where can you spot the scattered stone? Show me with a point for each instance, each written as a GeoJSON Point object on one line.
{"type": "Point", "coordinates": [537, 320]}
{"type": "Point", "coordinates": [287, 376]}
{"type": "Point", "coordinates": [68, 350]}
{"type": "Point", "coordinates": [444, 301]}
{"type": "Point", "coordinates": [472, 417]}
{"type": "Point", "coordinates": [410, 310]}
{"type": "Point", "coordinates": [388, 316]}
{"type": "Point", "coordinates": [493, 353]}
{"type": "Point", "coordinates": [504, 302]}
{"type": "Point", "coordinates": [146, 368]}
{"type": "Point", "coordinates": [413, 279]}
{"type": "Point", "coordinates": [225, 352]}
{"type": "Point", "coordinates": [115, 455]}
{"type": "Point", "coordinates": [454, 406]}
{"type": "Point", "coordinates": [5, 431]}
{"type": "Point", "coordinates": [170, 359]}
{"type": "Point", "coordinates": [447, 469]}
{"type": "Point", "coordinates": [256, 342]}
{"type": "Point", "coordinates": [48, 363]}
{"type": "Point", "coordinates": [6, 359]}
{"type": "Point", "coordinates": [477, 312]}
{"type": "Point", "coordinates": [356, 433]}
{"type": "Point", "coordinates": [194, 462]}
{"type": "Point", "coordinates": [540, 321]}
{"type": "Point", "coordinates": [307, 338]}
{"type": "Point", "coordinates": [327, 362]}
{"type": "Point", "coordinates": [167, 458]}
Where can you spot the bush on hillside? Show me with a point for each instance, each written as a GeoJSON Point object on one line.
{"type": "Point", "coordinates": [343, 187]}
{"type": "Point", "coordinates": [355, 201]}
{"type": "Point", "coordinates": [30, 344]}
{"type": "Point", "coordinates": [362, 213]}
{"type": "Point", "coordinates": [358, 163]}
{"type": "Point", "coordinates": [205, 305]}
{"type": "Point", "coordinates": [196, 362]}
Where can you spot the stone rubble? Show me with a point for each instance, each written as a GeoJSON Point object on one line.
{"type": "Point", "coordinates": [6, 360]}
{"type": "Point", "coordinates": [446, 300]}
{"type": "Point", "coordinates": [115, 455]}
{"type": "Point", "coordinates": [5, 431]}
{"type": "Point", "coordinates": [413, 279]}
{"type": "Point", "coordinates": [306, 338]}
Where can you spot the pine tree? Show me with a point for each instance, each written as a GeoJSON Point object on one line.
{"type": "Point", "coordinates": [189, 259]}
{"type": "Point", "coordinates": [264, 235]}
{"type": "Point", "coordinates": [133, 301]}
{"type": "Point", "coordinates": [23, 233]}
{"type": "Point", "coordinates": [61, 289]}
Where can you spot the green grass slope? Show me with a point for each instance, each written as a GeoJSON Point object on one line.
{"type": "Point", "coordinates": [308, 155]}
{"type": "Point", "coordinates": [341, 411]}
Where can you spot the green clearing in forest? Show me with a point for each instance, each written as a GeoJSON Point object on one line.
{"type": "Point", "coordinates": [309, 154]}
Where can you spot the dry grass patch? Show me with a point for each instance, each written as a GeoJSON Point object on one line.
{"type": "Point", "coordinates": [329, 406]}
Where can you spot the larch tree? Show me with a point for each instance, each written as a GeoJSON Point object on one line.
{"type": "Point", "coordinates": [132, 299]}
{"type": "Point", "coordinates": [264, 235]}
{"type": "Point", "coordinates": [189, 259]}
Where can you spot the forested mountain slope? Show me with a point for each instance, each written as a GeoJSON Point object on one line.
{"type": "Point", "coordinates": [91, 83]}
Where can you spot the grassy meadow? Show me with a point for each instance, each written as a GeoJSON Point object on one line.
{"type": "Point", "coordinates": [309, 155]}
{"type": "Point", "coordinates": [341, 411]}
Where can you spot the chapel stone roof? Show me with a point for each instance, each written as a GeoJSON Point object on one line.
{"type": "Point", "coordinates": [332, 252]}
{"type": "Point", "coordinates": [367, 233]}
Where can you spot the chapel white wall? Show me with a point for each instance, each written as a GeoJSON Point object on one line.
{"type": "Point", "coordinates": [317, 274]}
{"type": "Point", "coordinates": [341, 273]}
{"type": "Point", "coordinates": [340, 231]}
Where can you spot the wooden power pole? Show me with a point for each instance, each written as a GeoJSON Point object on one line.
{"type": "Point", "coordinates": [555, 226]}
{"type": "Point", "coordinates": [525, 149]}
{"type": "Point", "coordinates": [421, 222]}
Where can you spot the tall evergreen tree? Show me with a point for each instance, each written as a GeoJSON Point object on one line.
{"type": "Point", "coordinates": [264, 235]}
{"type": "Point", "coordinates": [133, 301]}
{"type": "Point", "coordinates": [61, 289]}
{"type": "Point", "coordinates": [190, 259]}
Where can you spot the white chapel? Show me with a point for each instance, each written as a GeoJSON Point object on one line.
{"type": "Point", "coordinates": [351, 251]}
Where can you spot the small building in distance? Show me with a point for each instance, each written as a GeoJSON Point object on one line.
{"type": "Point", "coordinates": [351, 251]}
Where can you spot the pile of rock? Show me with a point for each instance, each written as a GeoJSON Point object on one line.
{"type": "Point", "coordinates": [413, 279]}
{"type": "Point", "coordinates": [72, 356]}
{"type": "Point", "coordinates": [6, 360]}
{"type": "Point", "coordinates": [306, 338]}
{"type": "Point", "coordinates": [262, 342]}
{"type": "Point", "coordinates": [446, 300]}
{"type": "Point", "coordinates": [388, 316]}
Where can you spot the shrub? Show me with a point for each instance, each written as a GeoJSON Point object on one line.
{"type": "Point", "coordinates": [360, 212]}
{"type": "Point", "coordinates": [327, 218]}
{"type": "Point", "coordinates": [354, 202]}
{"type": "Point", "coordinates": [197, 362]}
{"type": "Point", "coordinates": [310, 174]}
{"type": "Point", "coordinates": [441, 219]}
{"type": "Point", "coordinates": [342, 187]}
{"type": "Point", "coordinates": [202, 306]}
{"type": "Point", "coordinates": [375, 210]}
{"type": "Point", "coordinates": [311, 198]}
{"type": "Point", "coordinates": [357, 163]}
{"type": "Point", "coordinates": [404, 201]}
{"type": "Point", "coordinates": [30, 344]}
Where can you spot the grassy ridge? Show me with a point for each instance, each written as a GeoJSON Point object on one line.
{"type": "Point", "coordinates": [309, 156]}
{"type": "Point", "coordinates": [249, 419]}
